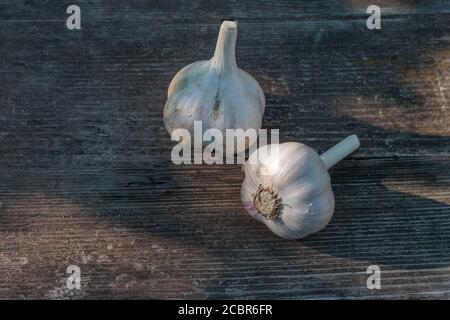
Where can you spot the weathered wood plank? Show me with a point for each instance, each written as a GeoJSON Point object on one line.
{"type": "Point", "coordinates": [174, 232]}
{"type": "Point", "coordinates": [85, 171]}
{"type": "Point", "coordinates": [100, 94]}
{"type": "Point", "coordinates": [212, 11]}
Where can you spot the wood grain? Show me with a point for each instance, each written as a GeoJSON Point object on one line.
{"type": "Point", "coordinates": [86, 176]}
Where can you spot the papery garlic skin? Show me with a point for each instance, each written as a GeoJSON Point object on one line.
{"type": "Point", "coordinates": [215, 92]}
{"type": "Point", "coordinates": [287, 186]}
{"type": "Point", "coordinates": [303, 185]}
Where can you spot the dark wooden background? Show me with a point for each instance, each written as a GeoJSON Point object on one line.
{"type": "Point", "coordinates": [85, 170]}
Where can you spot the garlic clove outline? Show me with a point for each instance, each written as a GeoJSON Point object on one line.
{"type": "Point", "coordinates": [287, 186]}
{"type": "Point", "coordinates": [215, 92]}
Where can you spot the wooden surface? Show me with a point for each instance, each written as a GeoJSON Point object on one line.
{"type": "Point", "coordinates": [85, 170]}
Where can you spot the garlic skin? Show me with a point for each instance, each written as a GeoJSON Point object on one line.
{"type": "Point", "coordinates": [215, 92]}
{"type": "Point", "coordinates": [288, 187]}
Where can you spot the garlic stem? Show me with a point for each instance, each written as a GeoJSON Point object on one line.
{"type": "Point", "coordinates": [340, 151]}
{"type": "Point", "coordinates": [224, 56]}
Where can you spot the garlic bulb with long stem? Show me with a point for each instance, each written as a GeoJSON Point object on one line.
{"type": "Point", "coordinates": [287, 186]}
{"type": "Point", "coordinates": [215, 92]}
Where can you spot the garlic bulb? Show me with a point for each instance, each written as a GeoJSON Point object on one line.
{"type": "Point", "coordinates": [287, 186]}
{"type": "Point", "coordinates": [215, 92]}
